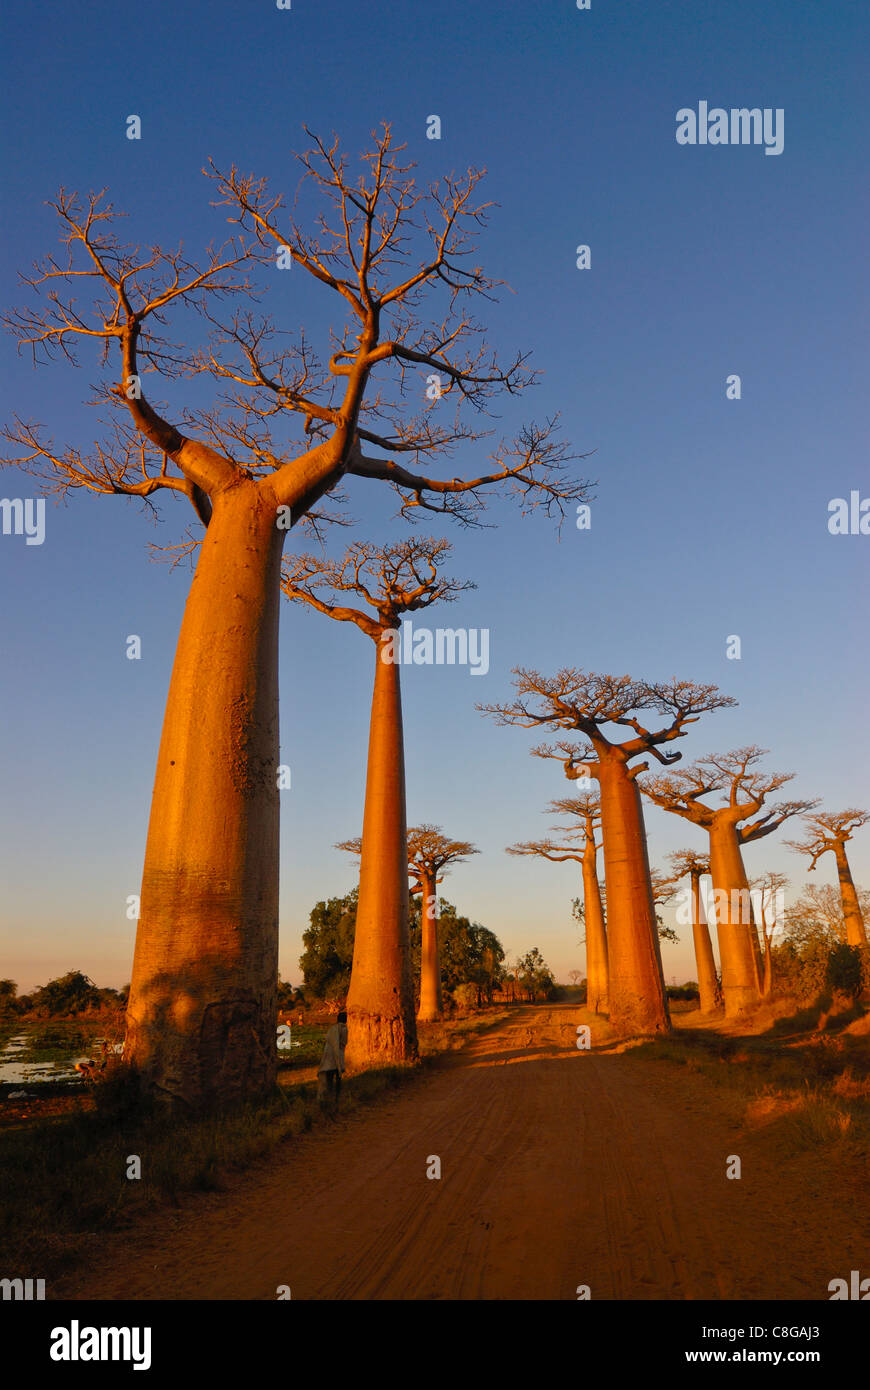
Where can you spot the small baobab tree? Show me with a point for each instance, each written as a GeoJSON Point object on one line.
{"type": "Point", "coordinates": [391, 580]}
{"type": "Point", "coordinates": [586, 812]}
{"type": "Point", "coordinates": [737, 777]}
{"type": "Point", "coordinates": [830, 831]}
{"type": "Point", "coordinates": [769, 889]}
{"type": "Point", "coordinates": [590, 703]}
{"type": "Point", "coordinates": [429, 854]}
{"type": "Point", "coordinates": [283, 429]}
{"type": "Point", "coordinates": [688, 863]}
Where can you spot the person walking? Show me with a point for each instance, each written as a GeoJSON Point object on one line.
{"type": "Point", "coordinates": [332, 1062]}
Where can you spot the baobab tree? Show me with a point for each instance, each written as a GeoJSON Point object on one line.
{"type": "Point", "coordinates": [830, 830]}
{"type": "Point", "coordinates": [769, 889]}
{"type": "Point", "coordinates": [663, 889]}
{"type": "Point", "coordinates": [391, 580]}
{"type": "Point", "coordinates": [688, 863]}
{"type": "Point", "coordinates": [589, 702]}
{"type": "Point", "coordinates": [737, 777]}
{"type": "Point", "coordinates": [429, 853]}
{"type": "Point", "coordinates": [202, 1007]}
{"type": "Point", "coordinates": [586, 812]}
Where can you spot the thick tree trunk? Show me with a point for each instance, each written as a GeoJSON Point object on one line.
{"type": "Point", "coordinates": [636, 990]}
{"type": "Point", "coordinates": [201, 1017]}
{"type": "Point", "coordinates": [738, 939]}
{"type": "Point", "coordinates": [380, 1001]}
{"type": "Point", "coordinates": [431, 1002]}
{"type": "Point", "coordinates": [856, 933]}
{"type": "Point", "coordinates": [708, 983]}
{"type": "Point", "coordinates": [596, 936]}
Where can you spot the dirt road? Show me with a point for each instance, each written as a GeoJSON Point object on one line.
{"type": "Point", "coordinates": [559, 1168]}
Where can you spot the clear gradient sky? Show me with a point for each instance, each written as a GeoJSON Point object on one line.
{"type": "Point", "coordinates": [710, 516]}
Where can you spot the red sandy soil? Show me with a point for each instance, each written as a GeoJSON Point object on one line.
{"type": "Point", "coordinates": [559, 1168]}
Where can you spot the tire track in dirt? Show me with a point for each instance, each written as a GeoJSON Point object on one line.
{"type": "Point", "coordinates": [559, 1168]}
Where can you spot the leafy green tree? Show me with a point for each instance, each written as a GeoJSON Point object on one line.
{"type": "Point", "coordinates": [328, 955]}
{"type": "Point", "coordinates": [68, 994]}
{"type": "Point", "coordinates": [843, 974]}
{"type": "Point", "coordinates": [534, 973]}
{"type": "Point", "coordinates": [470, 953]}
{"type": "Point", "coordinates": [8, 991]}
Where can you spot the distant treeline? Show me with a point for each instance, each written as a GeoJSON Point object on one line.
{"type": "Point", "coordinates": [73, 993]}
{"type": "Point", "coordinates": [473, 968]}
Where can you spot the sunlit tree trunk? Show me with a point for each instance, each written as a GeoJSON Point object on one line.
{"type": "Point", "coordinates": [856, 933]}
{"type": "Point", "coordinates": [636, 989]}
{"type": "Point", "coordinates": [596, 935]}
{"type": "Point", "coordinates": [708, 983]}
{"type": "Point", "coordinates": [431, 1002]}
{"type": "Point", "coordinates": [201, 1016]}
{"type": "Point", "coordinates": [767, 974]}
{"type": "Point", "coordinates": [380, 1000]}
{"type": "Point", "coordinates": [738, 939]}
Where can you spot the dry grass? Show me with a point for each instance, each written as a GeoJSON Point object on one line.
{"type": "Point", "coordinates": [805, 1076]}
{"type": "Point", "coordinates": [63, 1176]}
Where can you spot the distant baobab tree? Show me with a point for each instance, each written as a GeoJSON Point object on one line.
{"type": "Point", "coordinates": [687, 863]}
{"type": "Point", "coordinates": [429, 853]}
{"type": "Point", "coordinates": [202, 1010]}
{"type": "Point", "coordinates": [830, 830]}
{"type": "Point", "coordinates": [586, 811]}
{"type": "Point", "coordinates": [736, 776]}
{"type": "Point", "coordinates": [391, 580]}
{"type": "Point", "coordinates": [589, 703]}
{"type": "Point", "coordinates": [768, 888]}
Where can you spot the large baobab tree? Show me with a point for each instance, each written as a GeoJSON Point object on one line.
{"type": "Point", "coordinates": [687, 863]}
{"type": "Point", "coordinates": [830, 830]}
{"type": "Point", "coordinates": [590, 703]}
{"type": "Point", "coordinates": [391, 581]}
{"type": "Point", "coordinates": [282, 431]}
{"type": "Point", "coordinates": [737, 777]}
{"type": "Point", "coordinates": [429, 853]}
{"type": "Point", "coordinates": [586, 812]}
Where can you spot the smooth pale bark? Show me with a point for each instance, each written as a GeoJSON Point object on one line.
{"type": "Point", "coordinates": [431, 1001]}
{"type": "Point", "coordinates": [856, 934]}
{"type": "Point", "coordinates": [708, 983]}
{"type": "Point", "coordinates": [738, 940]}
{"type": "Point", "coordinates": [380, 1000]}
{"type": "Point", "coordinates": [767, 973]}
{"type": "Point", "coordinates": [201, 1016]}
{"type": "Point", "coordinates": [636, 989]}
{"type": "Point", "coordinates": [596, 935]}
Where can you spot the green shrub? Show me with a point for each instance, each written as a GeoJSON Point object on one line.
{"type": "Point", "coordinates": [843, 973]}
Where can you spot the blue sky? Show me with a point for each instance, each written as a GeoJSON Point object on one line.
{"type": "Point", "coordinates": [710, 516]}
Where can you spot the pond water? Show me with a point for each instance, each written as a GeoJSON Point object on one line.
{"type": "Point", "coordinates": [16, 1070]}
{"type": "Point", "coordinates": [14, 1067]}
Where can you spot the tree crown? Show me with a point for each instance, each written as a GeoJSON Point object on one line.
{"type": "Point", "coordinates": [291, 419]}
{"type": "Point", "coordinates": [393, 579]}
